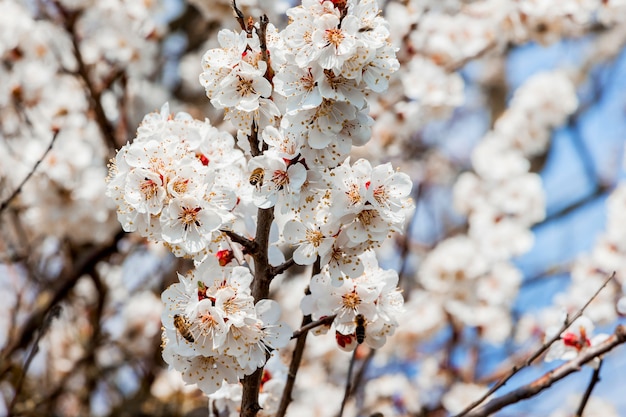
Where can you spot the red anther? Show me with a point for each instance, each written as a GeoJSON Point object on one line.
{"type": "Point", "coordinates": [342, 339]}
{"type": "Point", "coordinates": [203, 159]}
{"type": "Point", "coordinates": [225, 256]}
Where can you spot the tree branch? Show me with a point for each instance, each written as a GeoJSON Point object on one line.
{"type": "Point", "coordinates": [18, 190]}
{"type": "Point", "coordinates": [312, 325]}
{"type": "Point", "coordinates": [249, 244]}
{"type": "Point", "coordinates": [538, 352]}
{"type": "Point", "coordinates": [94, 95]}
{"type": "Point", "coordinates": [277, 270]}
{"type": "Point", "coordinates": [595, 378]}
{"type": "Point", "coordinates": [297, 355]}
{"type": "Point", "coordinates": [535, 387]}
{"type": "Point", "coordinates": [85, 266]}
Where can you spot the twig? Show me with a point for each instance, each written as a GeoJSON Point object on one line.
{"type": "Point", "coordinates": [358, 378]}
{"type": "Point", "coordinates": [18, 190]}
{"type": "Point", "coordinates": [239, 16]}
{"type": "Point", "coordinates": [249, 244]}
{"type": "Point", "coordinates": [54, 312]}
{"type": "Point", "coordinates": [312, 325]}
{"type": "Point", "coordinates": [94, 95]}
{"type": "Point", "coordinates": [595, 378]}
{"type": "Point", "coordinates": [277, 270]}
{"type": "Point", "coordinates": [535, 387]}
{"type": "Point", "coordinates": [265, 56]}
{"type": "Point", "coordinates": [348, 390]}
{"type": "Point", "coordinates": [568, 321]}
{"type": "Point", "coordinates": [296, 357]}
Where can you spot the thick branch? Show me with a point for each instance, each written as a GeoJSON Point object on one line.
{"type": "Point", "coordinates": [535, 387]}
{"type": "Point", "coordinates": [260, 290]}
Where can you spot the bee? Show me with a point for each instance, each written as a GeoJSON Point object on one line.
{"type": "Point", "coordinates": [359, 320]}
{"type": "Point", "coordinates": [183, 327]}
{"type": "Point", "coordinates": [256, 178]}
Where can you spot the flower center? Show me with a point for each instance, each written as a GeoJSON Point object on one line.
{"type": "Point", "coordinates": [314, 237]}
{"type": "Point", "coordinates": [351, 300]}
{"type": "Point", "coordinates": [189, 217]}
{"type": "Point", "coordinates": [280, 178]}
{"type": "Point", "coordinates": [334, 36]}
{"type": "Point", "coordinates": [367, 216]}
{"type": "Point", "coordinates": [148, 188]}
{"type": "Point", "coordinates": [245, 87]}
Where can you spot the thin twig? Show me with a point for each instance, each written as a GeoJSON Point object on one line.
{"type": "Point", "coordinates": [595, 378]}
{"type": "Point", "coordinates": [239, 16]}
{"type": "Point", "coordinates": [297, 355]}
{"type": "Point", "coordinates": [568, 321]}
{"type": "Point", "coordinates": [54, 312]}
{"type": "Point", "coordinates": [358, 378]}
{"type": "Point", "coordinates": [535, 387]}
{"type": "Point", "coordinates": [312, 325]}
{"type": "Point", "coordinates": [348, 390]}
{"type": "Point", "coordinates": [249, 244]}
{"type": "Point", "coordinates": [277, 270]}
{"type": "Point", "coordinates": [18, 190]}
{"type": "Point", "coordinates": [94, 95]}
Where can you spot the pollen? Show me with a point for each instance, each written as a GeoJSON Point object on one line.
{"type": "Point", "coordinates": [367, 216]}
{"type": "Point", "coordinates": [351, 300]}
{"type": "Point", "coordinates": [189, 217]}
{"type": "Point", "coordinates": [314, 237]}
{"type": "Point", "coordinates": [334, 37]}
{"type": "Point", "coordinates": [280, 178]}
{"type": "Point", "coordinates": [245, 87]}
{"type": "Point", "coordinates": [381, 195]}
{"type": "Point", "coordinates": [180, 186]}
{"type": "Point", "coordinates": [354, 194]}
{"type": "Point", "coordinates": [148, 188]}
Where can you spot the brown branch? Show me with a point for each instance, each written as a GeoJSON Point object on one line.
{"type": "Point", "coordinates": [568, 321]}
{"type": "Point", "coordinates": [312, 325]}
{"type": "Point", "coordinates": [297, 355]}
{"type": "Point", "coordinates": [595, 378]}
{"type": "Point", "coordinates": [239, 16]}
{"type": "Point", "coordinates": [18, 190]}
{"type": "Point", "coordinates": [535, 387]}
{"type": "Point", "coordinates": [85, 266]}
{"type": "Point", "coordinates": [277, 270]}
{"type": "Point", "coordinates": [52, 314]}
{"type": "Point", "coordinates": [249, 244]}
{"type": "Point", "coordinates": [348, 389]}
{"type": "Point", "coordinates": [260, 290]}
{"type": "Point", "coordinates": [94, 94]}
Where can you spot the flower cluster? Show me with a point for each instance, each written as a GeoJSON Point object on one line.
{"type": "Point", "coordinates": [170, 182]}
{"type": "Point", "coordinates": [370, 300]}
{"type": "Point", "coordinates": [213, 330]}
{"type": "Point", "coordinates": [298, 101]}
